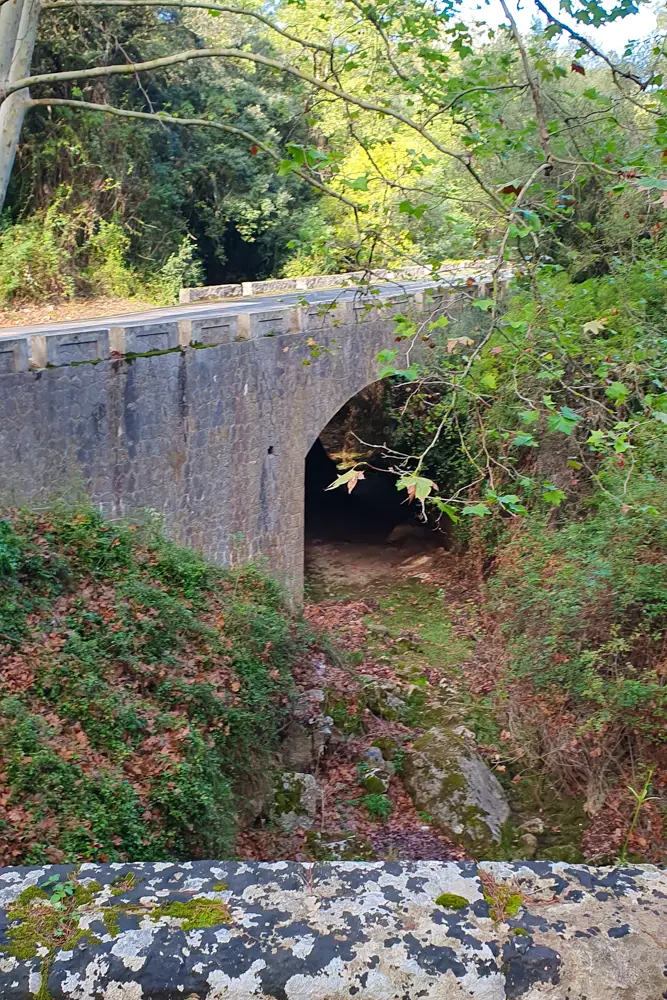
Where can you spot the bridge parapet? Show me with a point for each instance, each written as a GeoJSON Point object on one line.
{"type": "Point", "coordinates": [59, 348]}
{"type": "Point", "coordinates": [288, 931]}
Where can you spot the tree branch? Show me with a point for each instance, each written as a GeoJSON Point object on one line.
{"type": "Point", "coordinates": [157, 118]}
{"type": "Point", "coordinates": [185, 5]}
{"type": "Point", "coordinates": [642, 84]}
{"type": "Point", "coordinates": [189, 55]}
{"type": "Point", "coordinates": [534, 88]}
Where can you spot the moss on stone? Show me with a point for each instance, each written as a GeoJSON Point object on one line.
{"type": "Point", "coordinates": [29, 894]}
{"type": "Point", "coordinates": [451, 901]}
{"type": "Point", "coordinates": [195, 914]}
{"type": "Point", "coordinates": [37, 924]}
{"type": "Point", "coordinates": [123, 884]}
{"type": "Point", "coordinates": [219, 887]}
{"type": "Point", "coordinates": [373, 784]}
{"type": "Point", "coordinates": [288, 795]}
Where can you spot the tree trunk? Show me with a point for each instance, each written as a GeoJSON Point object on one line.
{"type": "Point", "coordinates": [18, 32]}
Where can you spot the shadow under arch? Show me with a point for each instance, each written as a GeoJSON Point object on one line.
{"type": "Point", "coordinates": [375, 506]}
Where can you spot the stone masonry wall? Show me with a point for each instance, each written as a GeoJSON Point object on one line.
{"type": "Point", "coordinates": [206, 421]}
{"type": "Point", "coordinates": [214, 439]}
{"type": "Point", "coordinates": [206, 930]}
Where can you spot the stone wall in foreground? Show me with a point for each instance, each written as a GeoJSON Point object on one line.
{"type": "Point", "coordinates": [378, 931]}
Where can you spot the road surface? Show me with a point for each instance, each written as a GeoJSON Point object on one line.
{"type": "Point", "coordinates": [237, 304]}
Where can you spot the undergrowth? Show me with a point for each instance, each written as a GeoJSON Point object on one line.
{"type": "Point", "coordinates": [139, 687]}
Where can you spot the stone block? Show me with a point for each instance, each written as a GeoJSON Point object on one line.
{"type": "Point", "coordinates": [272, 287]}
{"type": "Point", "coordinates": [322, 316]}
{"type": "Point", "coordinates": [371, 930]}
{"type": "Point", "coordinates": [222, 329]}
{"type": "Point", "coordinates": [209, 293]}
{"type": "Point", "coordinates": [268, 323]}
{"type": "Point", "coordinates": [69, 348]}
{"type": "Point", "coordinates": [313, 282]}
{"type": "Point", "coordinates": [13, 355]}
{"type": "Point", "coordinates": [360, 309]}
{"type": "Point", "coordinates": [144, 337]}
{"type": "Point", "coordinates": [397, 302]}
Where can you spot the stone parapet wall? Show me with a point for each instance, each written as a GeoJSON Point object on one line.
{"type": "Point", "coordinates": [379, 931]}
{"type": "Point", "coordinates": [31, 351]}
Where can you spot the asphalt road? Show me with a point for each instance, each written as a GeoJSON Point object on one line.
{"type": "Point", "coordinates": [233, 305]}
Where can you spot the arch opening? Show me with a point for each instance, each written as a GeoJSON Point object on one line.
{"type": "Point", "coordinates": [370, 531]}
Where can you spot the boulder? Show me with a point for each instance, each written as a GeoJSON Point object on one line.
{"type": "Point", "coordinates": [375, 772]}
{"type": "Point", "coordinates": [295, 801]}
{"type": "Point", "coordinates": [305, 741]}
{"type": "Point", "coordinates": [447, 779]}
{"type": "Point", "coordinates": [382, 696]}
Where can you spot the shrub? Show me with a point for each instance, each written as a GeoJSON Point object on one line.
{"type": "Point", "coordinates": [584, 610]}
{"type": "Point", "coordinates": [35, 259]}
{"type": "Point", "coordinates": [139, 688]}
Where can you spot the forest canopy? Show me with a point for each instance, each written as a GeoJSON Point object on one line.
{"type": "Point", "coordinates": [314, 137]}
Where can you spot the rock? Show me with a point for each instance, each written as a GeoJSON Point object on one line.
{"type": "Point", "coordinates": [448, 780]}
{"type": "Point", "coordinates": [295, 801]}
{"type": "Point", "coordinates": [378, 629]}
{"type": "Point", "coordinates": [534, 825]}
{"type": "Point", "coordinates": [529, 848]}
{"type": "Point", "coordinates": [405, 532]}
{"type": "Point", "coordinates": [382, 697]}
{"type": "Point", "coordinates": [387, 746]}
{"type": "Point", "coordinates": [374, 757]}
{"type": "Point", "coordinates": [305, 742]}
{"type": "Point", "coordinates": [464, 733]}
{"type": "Point", "coordinates": [254, 796]}
{"type": "Point", "coordinates": [375, 773]}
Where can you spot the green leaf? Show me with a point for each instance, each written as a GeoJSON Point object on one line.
{"type": "Point", "coordinates": [439, 324]}
{"type": "Point", "coordinates": [409, 209]}
{"type": "Point", "coordinates": [529, 416]}
{"type": "Point", "coordinates": [349, 479]}
{"type": "Point", "coordinates": [617, 391]}
{"type": "Point", "coordinates": [532, 220]}
{"type": "Point", "coordinates": [596, 440]}
{"type": "Point", "coordinates": [524, 441]}
{"type": "Point", "coordinates": [478, 510]}
{"type": "Point", "coordinates": [553, 495]}
{"type": "Point", "coordinates": [417, 486]}
{"type": "Point", "coordinates": [557, 422]}
{"type": "Point", "coordinates": [360, 184]}
{"type": "Point", "coordinates": [489, 381]}
{"type": "Point", "coordinates": [569, 414]}
{"type": "Point", "coordinates": [451, 512]}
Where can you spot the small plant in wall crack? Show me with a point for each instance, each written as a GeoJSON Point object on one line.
{"type": "Point", "coordinates": [503, 900]}
{"type": "Point", "coordinates": [641, 796]}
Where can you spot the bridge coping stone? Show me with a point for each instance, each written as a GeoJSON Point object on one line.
{"type": "Point", "coordinates": [342, 929]}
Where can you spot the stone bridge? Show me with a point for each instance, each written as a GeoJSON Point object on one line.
{"type": "Point", "coordinates": [204, 412]}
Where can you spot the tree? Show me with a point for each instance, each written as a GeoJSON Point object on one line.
{"type": "Point", "coordinates": [414, 66]}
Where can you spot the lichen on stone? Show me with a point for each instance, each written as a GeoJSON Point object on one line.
{"type": "Point", "coordinates": [40, 925]}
